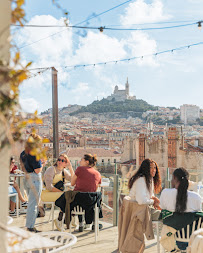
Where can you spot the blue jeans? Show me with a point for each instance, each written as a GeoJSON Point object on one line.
{"type": "Point", "coordinates": [33, 186]}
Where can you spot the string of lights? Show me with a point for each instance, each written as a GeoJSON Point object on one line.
{"type": "Point", "coordinates": [102, 28]}
{"type": "Point", "coordinates": [41, 69]}
{"type": "Point", "coordinates": [156, 23]}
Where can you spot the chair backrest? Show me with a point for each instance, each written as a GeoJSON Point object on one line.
{"type": "Point", "coordinates": [67, 240]}
{"type": "Point", "coordinates": [183, 235]}
{"type": "Point", "coordinates": [78, 210]}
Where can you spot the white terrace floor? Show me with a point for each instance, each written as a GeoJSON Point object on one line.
{"type": "Point", "coordinates": [107, 241]}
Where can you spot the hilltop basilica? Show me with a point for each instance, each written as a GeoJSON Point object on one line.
{"type": "Point", "coordinates": [121, 95]}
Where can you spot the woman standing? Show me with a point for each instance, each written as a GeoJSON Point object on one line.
{"type": "Point", "coordinates": [33, 181]}
{"type": "Point", "coordinates": [55, 174]}
{"type": "Point", "coordinates": [144, 183]}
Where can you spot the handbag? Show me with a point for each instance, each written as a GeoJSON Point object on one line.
{"type": "Point", "coordinates": [60, 184]}
{"type": "Point", "coordinates": [41, 211]}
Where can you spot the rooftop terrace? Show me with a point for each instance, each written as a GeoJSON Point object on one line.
{"type": "Point", "coordinates": [107, 241]}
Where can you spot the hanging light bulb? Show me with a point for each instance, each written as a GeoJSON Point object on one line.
{"type": "Point", "coordinates": [101, 29]}
{"type": "Point", "coordinates": [199, 25]}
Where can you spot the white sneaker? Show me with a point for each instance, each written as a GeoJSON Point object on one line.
{"type": "Point", "coordinates": [59, 224]}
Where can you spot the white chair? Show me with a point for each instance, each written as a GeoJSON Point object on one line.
{"type": "Point", "coordinates": [79, 211]}
{"type": "Point", "coordinates": [181, 236]}
{"type": "Point", "coordinates": [51, 211]}
{"type": "Point", "coordinates": [76, 211]}
{"type": "Point", "coordinates": [66, 240]}
{"type": "Point", "coordinates": [157, 225]}
{"type": "Point", "coordinates": [17, 201]}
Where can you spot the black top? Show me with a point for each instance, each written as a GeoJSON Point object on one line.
{"type": "Point", "coordinates": [30, 162]}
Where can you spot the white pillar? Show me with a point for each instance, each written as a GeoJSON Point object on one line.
{"type": "Point", "coordinates": [5, 19]}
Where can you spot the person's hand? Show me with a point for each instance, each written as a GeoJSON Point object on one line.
{"type": "Point", "coordinates": [157, 207]}
{"type": "Point", "coordinates": [68, 163]}
{"type": "Point", "coordinates": [156, 200]}
{"type": "Point", "coordinates": [43, 161]}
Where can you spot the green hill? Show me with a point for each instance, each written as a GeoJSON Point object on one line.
{"type": "Point", "coordinates": [137, 106]}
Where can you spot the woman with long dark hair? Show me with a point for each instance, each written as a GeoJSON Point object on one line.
{"type": "Point", "coordinates": [144, 183]}
{"type": "Point", "coordinates": [179, 199]}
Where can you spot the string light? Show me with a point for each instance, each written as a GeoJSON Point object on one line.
{"type": "Point", "coordinates": [122, 60]}
{"type": "Point", "coordinates": [101, 29]}
{"type": "Point", "coordinates": [199, 25]}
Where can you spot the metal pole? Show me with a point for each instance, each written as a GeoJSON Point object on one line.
{"type": "Point", "coordinates": [55, 113]}
{"type": "Point", "coordinates": [115, 168]}
{"type": "Point", "coordinates": [115, 200]}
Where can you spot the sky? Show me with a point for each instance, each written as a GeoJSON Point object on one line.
{"type": "Point", "coordinates": [169, 79]}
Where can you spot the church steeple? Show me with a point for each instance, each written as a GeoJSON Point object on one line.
{"type": "Point", "coordinates": [127, 87]}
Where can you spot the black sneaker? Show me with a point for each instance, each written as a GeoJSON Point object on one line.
{"type": "Point", "coordinates": [81, 229]}
{"type": "Point", "coordinates": [14, 213]}
{"type": "Point", "coordinates": [100, 227]}
{"type": "Point", "coordinates": [34, 230]}
{"type": "Point", "coordinates": [24, 204]}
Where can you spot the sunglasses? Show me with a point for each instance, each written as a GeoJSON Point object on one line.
{"type": "Point", "coordinates": [61, 160]}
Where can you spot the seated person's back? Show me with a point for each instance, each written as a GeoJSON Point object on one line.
{"type": "Point", "coordinates": [168, 200]}
{"type": "Point", "coordinates": [180, 200]}
{"type": "Point", "coordinates": [86, 178]}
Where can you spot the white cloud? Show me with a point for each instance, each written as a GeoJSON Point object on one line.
{"type": "Point", "coordinates": [60, 50]}
{"type": "Point", "coordinates": [81, 92]}
{"type": "Point", "coordinates": [141, 12]}
{"type": "Point", "coordinates": [99, 47]}
{"type": "Point", "coordinates": [141, 45]}
{"type": "Point", "coordinates": [51, 51]}
{"type": "Point", "coordinates": [81, 87]}
{"type": "Point", "coordinates": [29, 104]}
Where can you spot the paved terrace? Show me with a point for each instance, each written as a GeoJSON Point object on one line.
{"type": "Point", "coordinates": [107, 241]}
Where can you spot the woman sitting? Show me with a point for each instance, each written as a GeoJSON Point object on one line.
{"type": "Point", "coordinates": [144, 183]}
{"type": "Point", "coordinates": [53, 175]}
{"type": "Point", "coordinates": [179, 199]}
{"type": "Point", "coordinates": [85, 179]}
{"type": "Point", "coordinates": [13, 166]}
{"type": "Point", "coordinates": [182, 204]}
{"type": "Point", "coordinates": [14, 188]}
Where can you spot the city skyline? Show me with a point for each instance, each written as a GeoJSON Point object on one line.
{"type": "Point", "coordinates": [170, 79]}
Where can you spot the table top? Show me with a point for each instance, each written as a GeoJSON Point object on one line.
{"type": "Point", "coordinates": [17, 174]}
